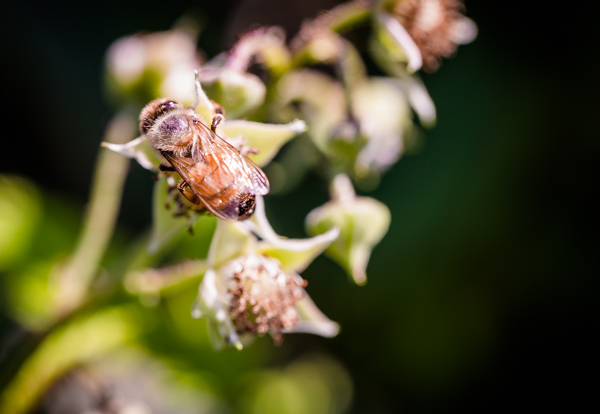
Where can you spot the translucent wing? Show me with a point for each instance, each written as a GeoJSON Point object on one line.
{"type": "Point", "coordinates": [217, 173]}
{"type": "Point", "coordinates": [232, 161]}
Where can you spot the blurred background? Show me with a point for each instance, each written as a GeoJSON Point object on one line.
{"type": "Point", "coordinates": [480, 298]}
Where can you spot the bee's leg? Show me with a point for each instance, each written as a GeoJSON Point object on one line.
{"type": "Point", "coordinates": [187, 192]}
{"type": "Point", "coordinates": [192, 221]}
{"type": "Point", "coordinates": [218, 116]}
{"type": "Point", "coordinates": [166, 168]}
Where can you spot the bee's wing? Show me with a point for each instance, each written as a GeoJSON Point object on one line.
{"type": "Point", "coordinates": [232, 161]}
{"type": "Point", "coordinates": [217, 165]}
{"type": "Point", "coordinates": [187, 169]}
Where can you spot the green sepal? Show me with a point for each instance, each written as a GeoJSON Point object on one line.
{"type": "Point", "coordinates": [266, 138]}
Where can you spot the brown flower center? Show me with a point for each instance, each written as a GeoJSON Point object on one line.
{"type": "Point", "coordinates": [431, 24]}
{"type": "Point", "coordinates": [263, 296]}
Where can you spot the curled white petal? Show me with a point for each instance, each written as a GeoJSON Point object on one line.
{"type": "Point", "coordinates": [313, 321]}
{"type": "Point", "coordinates": [214, 304]}
{"type": "Point", "coordinates": [420, 99]}
{"type": "Point", "coordinates": [260, 226]}
{"type": "Point", "coordinates": [403, 40]}
{"type": "Point", "coordinates": [138, 149]}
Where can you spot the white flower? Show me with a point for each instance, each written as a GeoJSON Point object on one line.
{"type": "Point", "coordinates": [420, 32]}
{"type": "Point", "coordinates": [265, 139]}
{"type": "Point", "coordinates": [253, 287]}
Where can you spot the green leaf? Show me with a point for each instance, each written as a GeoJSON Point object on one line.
{"type": "Point", "coordinates": [79, 341]}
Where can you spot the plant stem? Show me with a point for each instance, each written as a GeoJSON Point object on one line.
{"type": "Point", "coordinates": [74, 279]}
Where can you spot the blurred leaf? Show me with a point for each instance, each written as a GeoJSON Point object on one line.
{"type": "Point", "coordinates": [20, 207]}
{"type": "Point", "coordinates": [30, 294]}
{"type": "Point", "coordinates": [80, 340]}
{"type": "Point", "coordinates": [315, 385]}
{"type": "Point", "coordinates": [319, 100]}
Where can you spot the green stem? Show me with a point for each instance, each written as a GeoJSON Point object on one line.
{"type": "Point", "coordinates": [76, 276]}
{"type": "Point", "coordinates": [72, 280]}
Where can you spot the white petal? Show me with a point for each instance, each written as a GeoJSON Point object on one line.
{"type": "Point", "coordinates": [138, 149]}
{"type": "Point", "coordinates": [403, 39]}
{"type": "Point", "coordinates": [213, 304]}
{"type": "Point", "coordinates": [419, 99]}
{"type": "Point", "coordinates": [261, 227]}
{"type": "Point", "coordinates": [313, 321]}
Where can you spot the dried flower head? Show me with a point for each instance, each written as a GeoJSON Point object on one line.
{"type": "Point", "coordinates": [252, 287]}
{"type": "Point", "coordinates": [263, 296]}
{"type": "Point", "coordinates": [436, 26]}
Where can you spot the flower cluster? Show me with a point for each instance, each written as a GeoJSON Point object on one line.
{"type": "Point", "coordinates": [318, 87]}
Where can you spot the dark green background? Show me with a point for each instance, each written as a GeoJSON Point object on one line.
{"type": "Point", "coordinates": [482, 296]}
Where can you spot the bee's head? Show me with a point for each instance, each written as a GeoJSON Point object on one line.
{"type": "Point", "coordinates": [154, 110]}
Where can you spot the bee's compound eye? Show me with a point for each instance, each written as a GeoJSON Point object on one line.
{"type": "Point", "coordinates": [168, 105]}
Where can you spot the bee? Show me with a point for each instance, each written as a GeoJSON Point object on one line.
{"type": "Point", "coordinates": [214, 174]}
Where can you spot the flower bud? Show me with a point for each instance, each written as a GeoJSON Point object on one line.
{"type": "Point", "coordinates": [384, 115]}
{"type": "Point", "coordinates": [239, 93]}
{"type": "Point", "coordinates": [147, 66]}
{"type": "Point", "coordinates": [363, 221]}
